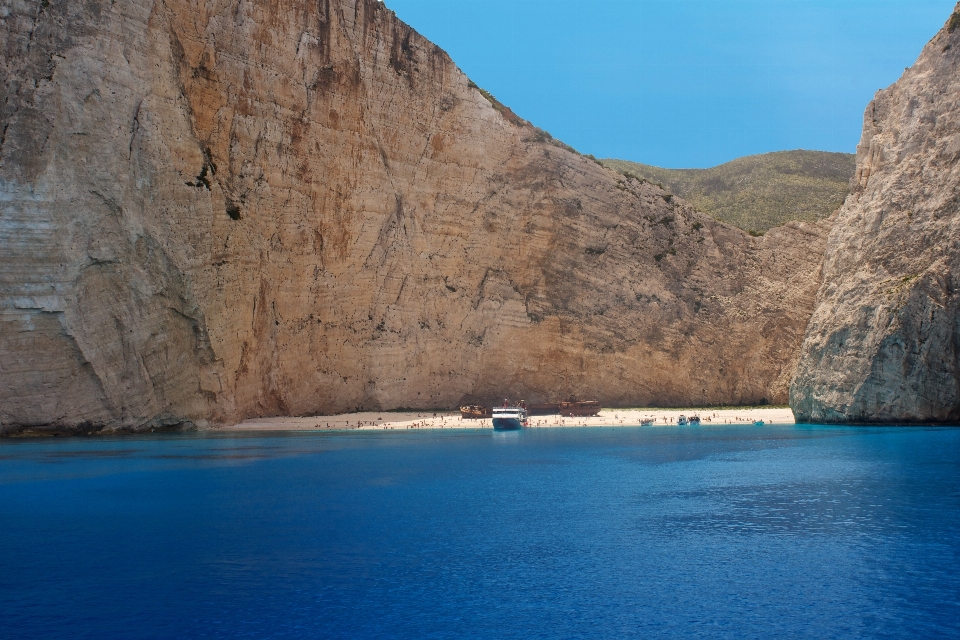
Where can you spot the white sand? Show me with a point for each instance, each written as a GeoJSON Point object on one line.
{"type": "Point", "coordinates": [451, 420]}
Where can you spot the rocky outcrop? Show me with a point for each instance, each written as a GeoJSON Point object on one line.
{"type": "Point", "coordinates": [217, 210]}
{"type": "Point", "coordinates": [884, 341]}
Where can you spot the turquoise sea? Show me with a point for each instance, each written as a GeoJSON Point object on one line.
{"type": "Point", "coordinates": [717, 532]}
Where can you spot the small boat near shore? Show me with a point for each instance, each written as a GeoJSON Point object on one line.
{"type": "Point", "coordinates": [682, 421]}
{"type": "Point", "coordinates": [694, 421]}
{"type": "Point", "coordinates": [509, 418]}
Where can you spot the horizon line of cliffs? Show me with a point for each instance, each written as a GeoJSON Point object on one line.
{"type": "Point", "coordinates": [293, 208]}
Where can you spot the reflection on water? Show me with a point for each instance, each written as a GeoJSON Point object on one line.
{"type": "Point", "coordinates": [726, 530]}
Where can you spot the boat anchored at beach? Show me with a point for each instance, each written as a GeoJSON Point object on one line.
{"type": "Point", "coordinates": [571, 408]}
{"type": "Point", "coordinates": [682, 421]}
{"type": "Point", "coordinates": [509, 418]}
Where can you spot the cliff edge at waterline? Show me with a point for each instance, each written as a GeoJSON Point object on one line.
{"type": "Point", "coordinates": [884, 341]}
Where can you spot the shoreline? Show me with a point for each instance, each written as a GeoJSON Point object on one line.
{"type": "Point", "coordinates": [405, 420]}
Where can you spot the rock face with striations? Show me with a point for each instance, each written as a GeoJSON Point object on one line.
{"type": "Point", "coordinates": [884, 342]}
{"type": "Point", "coordinates": [215, 210]}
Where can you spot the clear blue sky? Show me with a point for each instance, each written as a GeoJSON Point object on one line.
{"type": "Point", "coordinates": [684, 83]}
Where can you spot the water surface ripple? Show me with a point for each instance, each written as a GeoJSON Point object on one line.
{"type": "Point", "coordinates": [718, 532]}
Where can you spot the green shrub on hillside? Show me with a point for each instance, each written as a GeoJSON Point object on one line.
{"type": "Point", "coordinates": [954, 22]}
{"type": "Point", "coordinates": [504, 110]}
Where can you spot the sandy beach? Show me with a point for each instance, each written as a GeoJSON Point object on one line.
{"type": "Point", "coordinates": [389, 420]}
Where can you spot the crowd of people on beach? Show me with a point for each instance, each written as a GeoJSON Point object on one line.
{"type": "Point", "coordinates": [437, 420]}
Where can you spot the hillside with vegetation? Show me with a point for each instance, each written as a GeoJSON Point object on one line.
{"type": "Point", "coordinates": [757, 193]}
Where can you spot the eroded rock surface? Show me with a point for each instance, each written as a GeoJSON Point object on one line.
{"type": "Point", "coordinates": [883, 343]}
{"type": "Point", "coordinates": [216, 210]}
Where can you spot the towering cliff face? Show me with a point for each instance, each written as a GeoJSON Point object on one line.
{"type": "Point", "coordinates": [213, 210]}
{"type": "Point", "coordinates": [884, 342]}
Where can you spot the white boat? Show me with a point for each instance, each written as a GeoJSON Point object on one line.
{"type": "Point", "coordinates": [682, 421]}
{"type": "Point", "coordinates": [509, 418]}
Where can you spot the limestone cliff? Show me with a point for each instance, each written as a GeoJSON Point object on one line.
{"type": "Point", "coordinates": [218, 209]}
{"type": "Point", "coordinates": [884, 341]}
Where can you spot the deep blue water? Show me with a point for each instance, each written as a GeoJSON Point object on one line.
{"type": "Point", "coordinates": [718, 531]}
